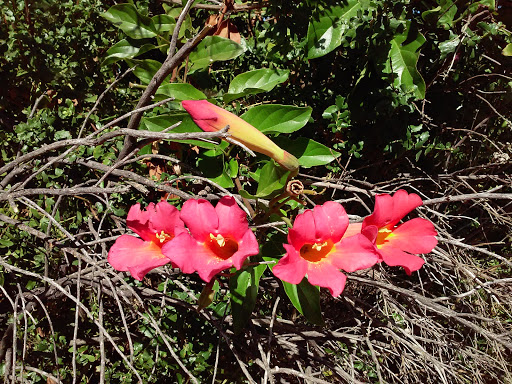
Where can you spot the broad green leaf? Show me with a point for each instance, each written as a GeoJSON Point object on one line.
{"type": "Point", "coordinates": [159, 123]}
{"type": "Point", "coordinates": [306, 298]}
{"type": "Point", "coordinates": [253, 82]}
{"type": "Point", "coordinates": [175, 12]}
{"type": "Point", "coordinates": [449, 10]}
{"type": "Point", "coordinates": [277, 118]}
{"type": "Point", "coordinates": [272, 178]}
{"type": "Point", "coordinates": [327, 29]}
{"type": "Point", "coordinates": [309, 152]}
{"type": "Point", "coordinates": [441, 15]}
{"type": "Point", "coordinates": [507, 51]}
{"type": "Point", "coordinates": [244, 291]}
{"type": "Point", "coordinates": [211, 49]}
{"type": "Point", "coordinates": [449, 46]}
{"type": "Point", "coordinates": [233, 168]}
{"type": "Point", "coordinates": [402, 59]}
{"type": "Point", "coordinates": [180, 91]}
{"type": "Point", "coordinates": [163, 23]}
{"type": "Point", "coordinates": [216, 169]}
{"type": "Point", "coordinates": [431, 13]}
{"type": "Point", "coordinates": [145, 69]}
{"type": "Point", "coordinates": [5, 243]}
{"type": "Point", "coordinates": [125, 50]}
{"type": "Point", "coordinates": [130, 21]}
{"type": "Point", "coordinates": [491, 4]}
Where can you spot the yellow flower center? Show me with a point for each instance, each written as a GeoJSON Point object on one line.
{"type": "Point", "coordinates": [163, 237]}
{"type": "Point", "coordinates": [317, 251]}
{"type": "Point", "coordinates": [383, 236]}
{"type": "Point", "coordinates": [222, 247]}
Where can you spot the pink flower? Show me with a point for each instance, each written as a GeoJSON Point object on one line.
{"type": "Point", "coordinates": [396, 243]}
{"type": "Point", "coordinates": [219, 238]}
{"type": "Point", "coordinates": [316, 249]}
{"type": "Point", "coordinates": [156, 225]}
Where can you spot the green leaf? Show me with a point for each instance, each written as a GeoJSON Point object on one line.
{"type": "Point", "coordinates": [448, 46]}
{"type": "Point", "coordinates": [326, 30]}
{"type": "Point", "coordinates": [163, 23]}
{"type": "Point", "coordinates": [159, 123]}
{"type": "Point", "coordinates": [306, 298]}
{"type": "Point", "coordinates": [215, 168]}
{"type": "Point", "coordinates": [476, 5]}
{"type": "Point", "coordinates": [125, 50]}
{"type": "Point", "coordinates": [442, 15]}
{"type": "Point", "coordinates": [233, 168]}
{"type": "Point", "coordinates": [186, 27]}
{"type": "Point", "coordinates": [402, 59]}
{"type": "Point", "coordinates": [272, 178]}
{"type": "Point", "coordinates": [130, 21]}
{"type": "Point", "coordinates": [146, 69]}
{"type": "Point", "coordinates": [180, 92]}
{"type": "Point", "coordinates": [449, 10]}
{"type": "Point", "coordinates": [253, 82]}
{"type": "Point", "coordinates": [211, 49]}
{"type": "Point", "coordinates": [244, 291]}
{"type": "Point", "coordinates": [5, 243]}
{"type": "Point", "coordinates": [277, 118]}
{"type": "Point", "coordinates": [309, 152]}
{"type": "Point", "coordinates": [507, 51]}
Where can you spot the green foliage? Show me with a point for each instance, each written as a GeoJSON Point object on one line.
{"type": "Point", "coordinates": [276, 118]}
{"type": "Point", "coordinates": [212, 49]}
{"type": "Point", "coordinates": [253, 82]}
{"type": "Point", "coordinates": [402, 60]}
{"type": "Point", "coordinates": [306, 298]}
{"type": "Point", "coordinates": [327, 29]}
{"type": "Point", "coordinates": [244, 291]}
{"type": "Point", "coordinates": [130, 21]}
{"type": "Point", "coordinates": [393, 82]}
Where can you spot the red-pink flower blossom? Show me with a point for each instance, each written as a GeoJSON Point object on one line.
{"type": "Point", "coordinates": [219, 238]}
{"type": "Point", "coordinates": [316, 249]}
{"type": "Point", "coordinates": [396, 243]}
{"type": "Point", "coordinates": [156, 225]}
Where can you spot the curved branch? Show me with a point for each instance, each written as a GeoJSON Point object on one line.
{"type": "Point", "coordinates": [171, 62]}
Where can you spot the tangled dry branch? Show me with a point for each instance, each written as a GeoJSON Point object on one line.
{"type": "Point", "coordinates": [443, 325]}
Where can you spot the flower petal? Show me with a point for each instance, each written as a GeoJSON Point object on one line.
{"type": "Point", "coordinates": [247, 246]}
{"type": "Point", "coordinates": [303, 230]}
{"type": "Point", "coordinates": [403, 203]}
{"type": "Point", "coordinates": [138, 221]}
{"type": "Point", "coordinates": [395, 257]}
{"type": "Point", "coordinates": [207, 264]}
{"type": "Point", "coordinates": [200, 218]}
{"type": "Point", "coordinates": [328, 276]}
{"type": "Point", "coordinates": [291, 268]}
{"type": "Point", "coordinates": [132, 254]}
{"type": "Point", "coordinates": [180, 251]}
{"type": "Point", "coordinates": [371, 232]}
{"type": "Point", "coordinates": [354, 253]}
{"type": "Point", "coordinates": [166, 217]}
{"type": "Point", "coordinates": [331, 221]}
{"type": "Point", "coordinates": [413, 236]}
{"type": "Point", "coordinates": [232, 219]}
{"type": "Point", "coordinates": [389, 210]}
{"type": "Point", "coordinates": [353, 229]}
{"type": "Point", "coordinates": [382, 213]}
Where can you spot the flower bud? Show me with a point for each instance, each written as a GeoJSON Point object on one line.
{"type": "Point", "coordinates": [211, 118]}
